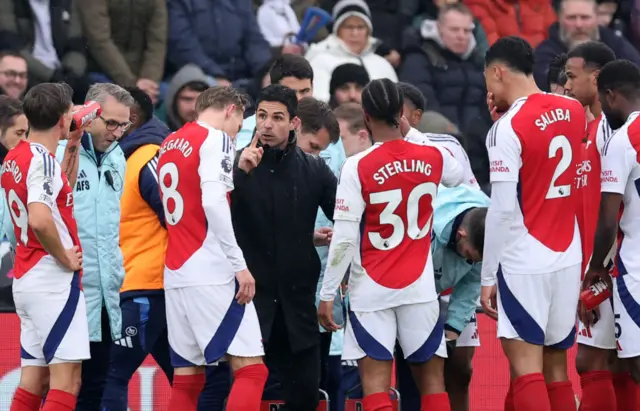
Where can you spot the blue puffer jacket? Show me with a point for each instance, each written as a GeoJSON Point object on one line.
{"type": "Point", "coordinates": [335, 156]}
{"type": "Point", "coordinates": [453, 85]}
{"type": "Point", "coordinates": [97, 211]}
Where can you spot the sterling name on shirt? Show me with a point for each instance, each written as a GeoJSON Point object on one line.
{"type": "Point", "coordinates": [178, 144]}
{"type": "Point", "coordinates": [552, 116]}
{"type": "Point", "coordinates": [404, 166]}
{"type": "Point", "coordinates": [12, 167]}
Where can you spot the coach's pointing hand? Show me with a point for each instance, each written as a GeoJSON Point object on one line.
{"type": "Point", "coordinates": [488, 301]}
{"type": "Point", "coordinates": [251, 156]}
{"type": "Point", "coordinates": [247, 287]}
{"type": "Point", "coordinates": [74, 259]}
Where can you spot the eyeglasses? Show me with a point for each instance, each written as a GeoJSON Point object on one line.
{"type": "Point", "coordinates": [113, 125]}
{"type": "Point", "coordinates": [22, 75]}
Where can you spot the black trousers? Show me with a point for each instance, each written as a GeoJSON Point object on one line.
{"type": "Point", "coordinates": [293, 376]}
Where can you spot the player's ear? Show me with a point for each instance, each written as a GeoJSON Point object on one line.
{"type": "Point", "coordinates": [363, 135]}
{"type": "Point", "coordinates": [295, 124]}
{"type": "Point", "coordinates": [228, 111]}
{"type": "Point", "coordinates": [462, 232]}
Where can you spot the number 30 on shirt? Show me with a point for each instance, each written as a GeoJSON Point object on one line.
{"type": "Point", "coordinates": [391, 215]}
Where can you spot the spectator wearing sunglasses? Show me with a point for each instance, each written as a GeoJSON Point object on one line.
{"type": "Point", "coordinates": [100, 170]}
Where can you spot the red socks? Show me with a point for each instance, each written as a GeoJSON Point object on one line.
{"type": "Point", "coordinates": [561, 396]}
{"type": "Point", "coordinates": [185, 392]}
{"type": "Point", "coordinates": [379, 401]}
{"type": "Point", "coordinates": [530, 393]}
{"type": "Point", "coordinates": [23, 400]}
{"type": "Point", "coordinates": [597, 391]}
{"type": "Point", "coordinates": [246, 391]}
{"type": "Point", "coordinates": [436, 402]}
{"type": "Point", "coordinates": [508, 401]}
{"type": "Point", "coordinates": [625, 389]}
{"type": "Point", "coordinates": [59, 401]}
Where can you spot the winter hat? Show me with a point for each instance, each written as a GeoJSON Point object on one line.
{"type": "Point", "coordinates": [348, 73]}
{"type": "Point", "coordinates": [347, 8]}
{"type": "Point", "coordinates": [436, 123]}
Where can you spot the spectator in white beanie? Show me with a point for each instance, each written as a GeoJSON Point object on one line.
{"type": "Point", "coordinates": [350, 42]}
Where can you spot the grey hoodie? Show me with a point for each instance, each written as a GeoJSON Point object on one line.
{"type": "Point", "coordinates": [187, 74]}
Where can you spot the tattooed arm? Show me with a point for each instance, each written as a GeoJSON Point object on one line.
{"type": "Point", "coordinates": [70, 159]}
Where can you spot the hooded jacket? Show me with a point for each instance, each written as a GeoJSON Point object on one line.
{"type": "Point", "coordinates": [451, 269]}
{"type": "Point", "coordinates": [143, 238]}
{"type": "Point", "coordinates": [452, 84]}
{"type": "Point", "coordinates": [96, 207]}
{"type": "Point", "coordinates": [167, 111]}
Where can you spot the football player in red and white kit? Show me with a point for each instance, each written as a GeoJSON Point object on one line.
{"type": "Point", "coordinates": [54, 335]}
{"type": "Point", "coordinates": [596, 339]}
{"type": "Point", "coordinates": [619, 93]}
{"type": "Point", "coordinates": [208, 289]}
{"type": "Point", "coordinates": [384, 211]}
{"type": "Point", "coordinates": [532, 253]}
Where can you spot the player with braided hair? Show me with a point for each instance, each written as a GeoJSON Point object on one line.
{"type": "Point", "coordinates": [384, 209]}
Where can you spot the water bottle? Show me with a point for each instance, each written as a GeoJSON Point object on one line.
{"type": "Point", "coordinates": [595, 295]}
{"type": "Point", "coordinates": [90, 111]}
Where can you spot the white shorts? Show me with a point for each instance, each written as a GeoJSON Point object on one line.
{"type": "Point", "coordinates": [206, 322]}
{"type": "Point", "coordinates": [539, 308]}
{"type": "Point", "coordinates": [419, 328]}
{"type": "Point", "coordinates": [470, 336]}
{"type": "Point", "coordinates": [603, 333]}
{"type": "Point", "coordinates": [626, 308]}
{"type": "Point", "coordinates": [53, 326]}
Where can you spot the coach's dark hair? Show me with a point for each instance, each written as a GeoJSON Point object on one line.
{"type": "Point", "coordinates": [280, 94]}
{"type": "Point", "coordinates": [219, 97]}
{"type": "Point", "coordinates": [556, 70]}
{"type": "Point", "coordinates": [315, 115]}
{"type": "Point", "coordinates": [414, 95]}
{"type": "Point", "coordinates": [513, 51]}
{"type": "Point", "coordinates": [622, 76]}
{"type": "Point", "coordinates": [45, 103]}
{"type": "Point", "coordinates": [290, 65]}
{"type": "Point", "coordinates": [383, 100]}
{"type": "Point", "coordinates": [143, 101]}
{"type": "Point", "coordinates": [9, 108]}
{"type": "Point", "coordinates": [594, 53]}
{"type": "Point", "coordinates": [475, 227]}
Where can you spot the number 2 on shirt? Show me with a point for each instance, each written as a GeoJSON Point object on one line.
{"type": "Point", "coordinates": [559, 143]}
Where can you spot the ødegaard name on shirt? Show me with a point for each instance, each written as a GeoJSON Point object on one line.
{"type": "Point", "coordinates": [179, 144]}
{"type": "Point", "coordinates": [552, 116]}
{"type": "Point", "coordinates": [404, 166]}
{"type": "Point", "coordinates": [12, 167]}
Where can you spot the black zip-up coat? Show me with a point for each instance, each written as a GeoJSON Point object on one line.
{"type": "Point", "coordinates": [274, 211]}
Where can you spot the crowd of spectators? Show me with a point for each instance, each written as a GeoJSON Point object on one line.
{"type": "Point", "coordinates": [175, 49]}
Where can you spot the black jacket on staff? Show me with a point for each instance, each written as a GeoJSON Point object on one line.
{"type": "Point", "coordinates": [274, 210]}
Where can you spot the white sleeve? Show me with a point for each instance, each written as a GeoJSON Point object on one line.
{"type": "Point", "coordinates": [504, 151]}
{"type": "Point", "coordinates": [44, 180]}
{"type": "Point", "coordinates": [499, 216]}
{"type": "Point", "coordinates": [349, 201]}
{"type": "Point", "coordinates": [343, 247]}
{"type": "Point", "coordinates": [618, 160]}
{"type": "Point", "coordinates": [452, 170]}
{"type": "Point", "coordinates": [416, 137]}
{"type": "Point", "coordinates": [216, 159]}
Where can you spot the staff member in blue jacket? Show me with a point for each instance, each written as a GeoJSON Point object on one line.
{"type": "Point", "coordinates": [97, 194]}
{"type": "Point", "coordinates": [456, 249]}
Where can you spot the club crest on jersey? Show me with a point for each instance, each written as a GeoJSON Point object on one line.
{"type": "Point", "coordinates": [226, 164]}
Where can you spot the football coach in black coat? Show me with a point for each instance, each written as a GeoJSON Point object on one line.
{"type": "Point", "coordinates": [278, 189]}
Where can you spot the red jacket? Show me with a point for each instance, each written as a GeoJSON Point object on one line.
{"type": "Point", "coordinates": [529, 19]}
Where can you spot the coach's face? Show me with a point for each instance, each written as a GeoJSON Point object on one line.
{"type": "Point", "coordinates": [465, 249]}
{"type": "Point", "coordinates": [274, 124]}
{"type": "Point", "coordinates": [111, 125]}
{"type": "Point", "coordinates": [611, 102]}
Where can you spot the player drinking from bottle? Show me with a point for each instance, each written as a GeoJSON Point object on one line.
{"type": "Point", "coordinates": [54, 336]}
{"type": "Point", "coordinates": [532, 253]}
{"type": "Point", "coordinates": [388, 190]}
{"type": "Point", "coordinates": [208, 289]}
{"type": "Point", "coordinates": [619, 94]}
